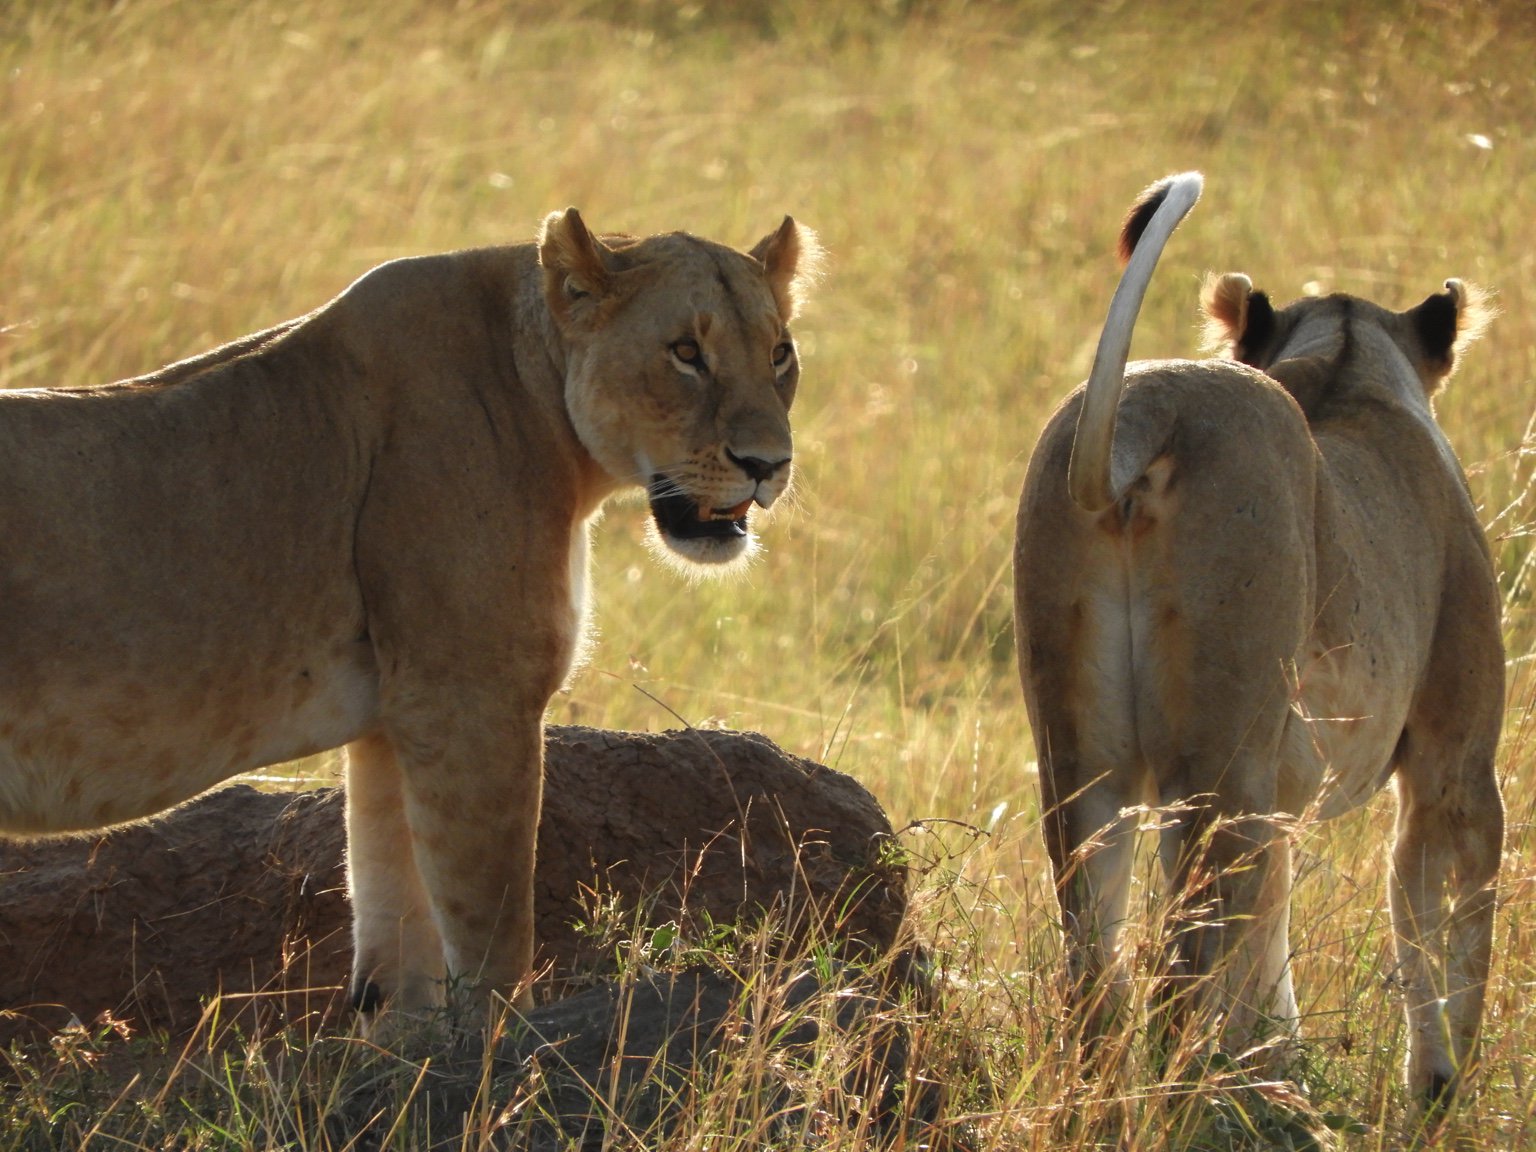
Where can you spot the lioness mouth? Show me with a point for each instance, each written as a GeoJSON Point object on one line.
{"type": "Point", "coordinates": [678, 515]}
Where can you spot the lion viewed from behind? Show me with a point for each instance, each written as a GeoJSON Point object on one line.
{"type": "Point", "coordinates": [1254, 590]}
{"type": "Point", "coordinates": [368, 527]}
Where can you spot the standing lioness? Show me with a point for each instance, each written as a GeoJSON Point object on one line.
{"type": "Point", "coordinates": [1257, 589]}
{"type": "Point", "coordinates": [368, 526]}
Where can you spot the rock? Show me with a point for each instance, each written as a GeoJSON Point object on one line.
{"type": "Point", "coordinates": [244, 892]}
{"type": "Point", "coordinates": [632, 1060]}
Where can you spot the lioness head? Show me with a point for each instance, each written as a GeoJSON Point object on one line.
{"type": "Point", "coordinates": [680, 370]}
{"type": "Point", "coordinates": [1303, 344]}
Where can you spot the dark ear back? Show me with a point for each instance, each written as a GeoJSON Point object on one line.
{"type": "Point", "coordinates": [1260, 331]}
{"type": "Point", "coordinates": [1434, 322]}
{"type": "Point", "coordinates": [1445, 323]}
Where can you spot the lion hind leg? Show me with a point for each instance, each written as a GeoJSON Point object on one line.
{"type": "Point", "coordinates": [1214, 736]}
{"type": "Point", "coordinates": [397, 953]}
{"type": "Point", "coordinates": [1093, 783]}
{"type": "Point", "coordinates": [1092, 854]}
{"type": "Point", "coordinates": [1247, 957]}
{"type": "Point", "coordinates": [1258, 988]}
{"type": "Point", "coordinates": [1228, 956]}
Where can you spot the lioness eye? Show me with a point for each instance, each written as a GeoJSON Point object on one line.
{"type": "Point", "coordinates": [781, 354]}
{"type": "Point", "coordinates": [688, 352]}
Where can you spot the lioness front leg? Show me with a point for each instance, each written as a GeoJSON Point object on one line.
{"type": "Point", "coordinates": [1449, 837]}
{"type": "Point", "coordinates": [472, 790]}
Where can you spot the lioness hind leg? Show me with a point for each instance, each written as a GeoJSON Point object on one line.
{"type": "Point", "coordinates": [1229, 959]}
{"type": "Point", "coordinates": [1449, 840]}
{"type": "Point", "coordinates": [1091, 838]}
{"type": "Point", "coordinates": [397, 953]}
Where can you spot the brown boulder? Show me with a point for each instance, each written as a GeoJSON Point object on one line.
{"type": "Point", "coordinates": [244, 891]}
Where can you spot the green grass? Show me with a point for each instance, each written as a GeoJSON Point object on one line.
{"type": "Point", "coordinates": [173, 175]}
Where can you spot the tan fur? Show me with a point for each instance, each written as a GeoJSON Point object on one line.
{"type": "Point", "coordinates": [1287, 602]}
{"type": "Point", "coordinates": [368, 526]}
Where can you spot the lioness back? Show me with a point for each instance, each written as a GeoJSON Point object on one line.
{"type": "Point", "coordinates": [178, 604]}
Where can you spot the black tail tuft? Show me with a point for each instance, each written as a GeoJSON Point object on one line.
{"type": "Point", "coordinates": [1140, 215]}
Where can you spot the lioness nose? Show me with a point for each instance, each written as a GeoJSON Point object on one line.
{"type": "Point", "coordinates": [755, 466]}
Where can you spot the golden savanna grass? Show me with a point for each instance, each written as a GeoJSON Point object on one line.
{"type": "Point", "coordinates": [173, 175]}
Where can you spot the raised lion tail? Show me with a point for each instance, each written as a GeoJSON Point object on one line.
{"type": "Point", "coordinates": [1151, 221]}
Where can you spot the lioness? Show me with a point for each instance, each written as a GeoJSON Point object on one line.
{"type": "Point", "coordinates": [368, 526]}
{"type": "Point", "coordinates": [1255, 589]}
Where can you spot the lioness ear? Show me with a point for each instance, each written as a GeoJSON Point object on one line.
{"type": "Point", "coordinates": [1447, 322]}
{"type": "Point", "coordinates": [1238, 320]}
{"type": "Point", "coordinates": [572, 259]}
{"type": "Point", "coordinates": [791, 259]}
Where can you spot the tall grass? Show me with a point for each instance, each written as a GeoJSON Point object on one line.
{"type": "Point", "coordinates": [172, 175]}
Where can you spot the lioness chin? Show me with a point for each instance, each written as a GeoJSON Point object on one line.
{"type": "Point", "coordinates": [368, 527]}
{"type": "Point", "coordinates": [1255, 590]}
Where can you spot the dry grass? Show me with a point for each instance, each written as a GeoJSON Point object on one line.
{"type": "Point", "coordinates": [173, 175]}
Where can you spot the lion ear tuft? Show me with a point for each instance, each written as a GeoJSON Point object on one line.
{"type": "Point", "coordinates": [572, 259]}
{"type": "Point", "coordinates": [1238, 320]}
{"type": "Point", "coordinates": [791, 259]}
{"type": "Point", "coordinates": [1224, 300]}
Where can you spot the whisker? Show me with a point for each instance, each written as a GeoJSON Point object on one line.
{"type": "Point", "coordinates": [665, 486]}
